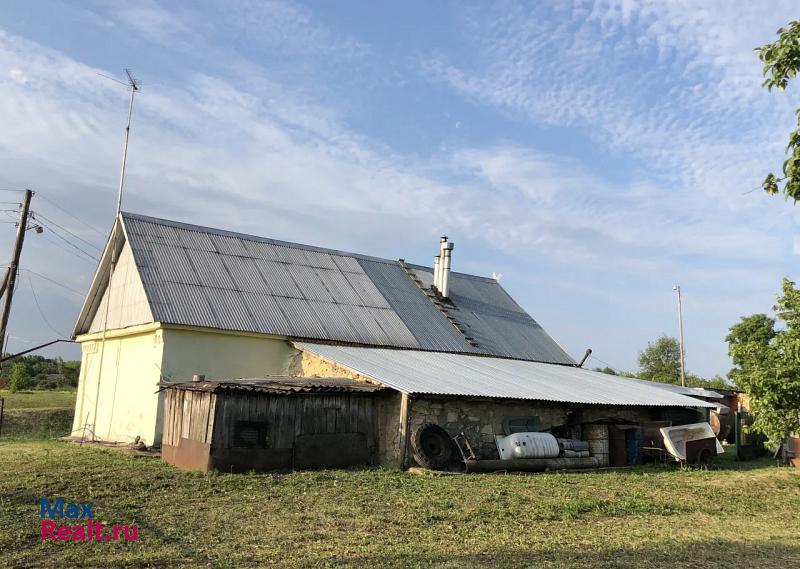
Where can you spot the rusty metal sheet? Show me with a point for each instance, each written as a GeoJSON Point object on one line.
{"type": "Point", "coordinates": [188, 455]}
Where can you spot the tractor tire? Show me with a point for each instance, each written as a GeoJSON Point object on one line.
{"type": "Point", "coordinates": [433, 447]}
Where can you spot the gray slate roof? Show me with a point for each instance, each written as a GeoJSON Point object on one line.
{"type": "Point", "coordinates": [198, 276]}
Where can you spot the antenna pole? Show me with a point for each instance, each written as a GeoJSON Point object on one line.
{"type": "Point", "coordinates": [134, 86]}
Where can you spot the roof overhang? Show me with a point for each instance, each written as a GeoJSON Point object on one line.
{"type": "Point", "coordinates": [438, 373]}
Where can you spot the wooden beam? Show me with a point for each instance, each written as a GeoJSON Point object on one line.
{"type": "Point", "coordinates": [404, 404]}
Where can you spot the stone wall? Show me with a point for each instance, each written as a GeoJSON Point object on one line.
{"type": "Point", "coordinates": [482, 419]}
{"type": "Point", "coordinates": [304, 364]}
{"type": "Point", "coordinates": [479, 419]}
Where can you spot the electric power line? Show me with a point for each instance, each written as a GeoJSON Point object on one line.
{"type": "Point", "coordinates": [68, 250]}
{"type": "Point", "coordinates": [608, 365]}
{"type": "Point", "coordinates": [54, 282]}
{"type": "Point", "coordinates": [68, 242]}
{"type": "Point", "coordinates": [41, 215]}
{"type": "Point", "coordinates": [73, 216]}
{"type": "Point", "coordinates": [39, 308]}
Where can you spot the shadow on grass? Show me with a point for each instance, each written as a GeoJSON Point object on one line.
{"type": "Point", "coordinates": [41, 552]}
{"type": "Point", "coordinates": [703, 553]}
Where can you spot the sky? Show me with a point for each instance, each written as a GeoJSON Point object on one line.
{"type": "Point", "coordinates": [593, 153]}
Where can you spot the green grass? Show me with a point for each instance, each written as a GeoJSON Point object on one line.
{"type": "Point", "coordinates": [381, 518]}
{"type": "Point", "coordinates": [38, 399]}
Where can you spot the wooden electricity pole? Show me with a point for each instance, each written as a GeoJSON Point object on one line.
{"type": "Point", "coordinates": [11, 273]}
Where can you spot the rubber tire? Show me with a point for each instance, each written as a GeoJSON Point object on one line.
{"type": "Point", "coordinates": [433, 447]}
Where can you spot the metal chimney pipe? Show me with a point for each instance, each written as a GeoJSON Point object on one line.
{"type": "Point", "coordinates": [437, 273]}
{"type": "Point", "coordinates": [445, 270]}
{"type": "Point", "coordinates": [436, 268]}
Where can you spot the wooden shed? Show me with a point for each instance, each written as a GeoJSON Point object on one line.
{"type": "Point", "coordinates": [269, 424]}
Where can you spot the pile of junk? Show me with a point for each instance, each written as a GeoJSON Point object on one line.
{"type": "Point", "coordinates": [600, 445]}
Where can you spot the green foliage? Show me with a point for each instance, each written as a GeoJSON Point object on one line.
{"type": "Point", "coordinates": [758, 329]}
{"type": "Point", "coordinates": [661, 361]}
{"type": "Point", "coordinates": [608, 370]}
{"type": "Point", "coordinates": [44, 373]}
{"type": "Point", "coordinates": [781, 60]}
{"type": "Point", "coordinates": [768, 366]}
{"type": "Point", "coordinates": [20, 380]}
{"type": "Point", "coordinates": [716, 382]}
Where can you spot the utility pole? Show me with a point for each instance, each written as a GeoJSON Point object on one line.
{"type": "Point", "coordinates": [677, 289]}
{"type": "Point", "coordinates": [11, 273]}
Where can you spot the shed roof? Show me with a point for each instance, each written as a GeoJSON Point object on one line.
{"type": "Point", "coordinates": [199, 276]}
{"type": "Point", "coordinates": [279, 385]}
{"type": "Point", "coordinates": [419, 372]}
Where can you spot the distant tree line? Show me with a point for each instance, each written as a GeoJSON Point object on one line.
{"type": "Point", "coordinates": [661, 361]}
{"type": "Point", "coordinates": [38, 372]}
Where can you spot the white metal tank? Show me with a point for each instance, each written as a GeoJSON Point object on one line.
{"type": "Point", "coordinates": [527, 445]}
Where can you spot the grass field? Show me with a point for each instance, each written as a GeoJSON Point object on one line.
{"type": "Point", "coordinates": [38, 399]}
{"type": "Point", "coordinates": [381, 518]}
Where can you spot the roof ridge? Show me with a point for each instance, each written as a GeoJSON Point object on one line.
{"type": "Point", "coordinates": [250, 237]}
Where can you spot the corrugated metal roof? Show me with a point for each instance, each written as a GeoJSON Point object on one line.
{"type": "Point", "coordinates": [486, 313]}
{"type": "Point", "coordinates": [279, 385]}
{"type": "Point", "coordinates": [420, 372]}
{"type": "Point", "coordinates": [690, 391]}
{"type": "Point", "coordinates": [198, 276]}
{"type": "Point", "coordinates": [427, 323]}
{"type": "Point", "coordinates": [215, 279]}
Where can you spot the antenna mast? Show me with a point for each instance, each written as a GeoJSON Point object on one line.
{"type": "Point", "coordinates": [134, 86]}
{"type": "Point", "coordinates": [133, 83]}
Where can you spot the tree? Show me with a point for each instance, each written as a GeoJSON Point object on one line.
{"type": "Point", "coordinates": [20, 379]}
{"type": "Point", "coordinates": [661, 361]}
{"type": "Point", "coordinates": [608, 370]}
{"type": "Point", "coordinates": [781, 60]}
{"type": "Point", "coordinates": [756, 329]}
{"type": "Point", "coordinates": [769, 371]}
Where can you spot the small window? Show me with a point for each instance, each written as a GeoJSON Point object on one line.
{"type": "Point", "coordinates": [250, 434]}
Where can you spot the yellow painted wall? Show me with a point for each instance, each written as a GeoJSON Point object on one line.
{"type": "Point", "coordinates": [134, 363]}
{"type": "Point", "coordinates": [220, 355]}
{"type": "Point", "coordinates": [128, 402]}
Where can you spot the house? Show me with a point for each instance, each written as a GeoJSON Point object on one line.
{"type": "Point", "coordinates": [449, 348]}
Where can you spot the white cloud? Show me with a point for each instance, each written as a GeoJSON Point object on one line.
{"type": "Point", "coordinates": [245, 151]}
{"type": "Point", "coordinates": [675, 85]}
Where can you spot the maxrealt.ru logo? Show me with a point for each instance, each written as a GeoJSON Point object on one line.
{"type": "Point", "coordinates": [88, 531]}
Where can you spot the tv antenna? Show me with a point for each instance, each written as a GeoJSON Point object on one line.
{"type": "Point", "coordinates": [134, 85]}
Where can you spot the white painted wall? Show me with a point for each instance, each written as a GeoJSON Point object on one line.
{"type": "Point", "coordinates": [128, 403]}
{"type": "Point", "coordinates": [129, 306]}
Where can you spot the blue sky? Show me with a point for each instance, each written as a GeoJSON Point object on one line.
{"type": "Point", "coordinates": [593, 153]}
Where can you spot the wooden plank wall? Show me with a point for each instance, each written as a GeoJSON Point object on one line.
{"type": "Point", "coordinates": [289, 416]}
{"type": "Point", "coordinates": [189, 415]}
